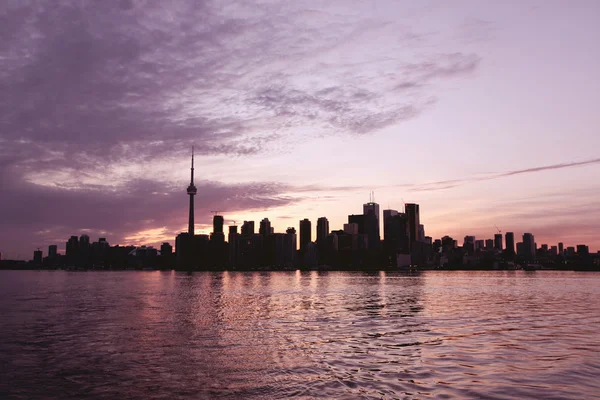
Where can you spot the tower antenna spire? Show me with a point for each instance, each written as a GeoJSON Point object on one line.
{"type": "Point", "coordinates": [192, 169]}
{"type": "Point", "coordinates": [191, 191]}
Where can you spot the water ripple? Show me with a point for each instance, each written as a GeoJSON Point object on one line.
{"type": "Point", "coordinates": [152, 335]}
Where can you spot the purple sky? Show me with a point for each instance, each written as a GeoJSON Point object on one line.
{"type": "Point", "coordinates": [484, 113]}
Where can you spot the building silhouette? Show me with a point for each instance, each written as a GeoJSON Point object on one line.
{"type": "Point", "coordinates": [396, 236]}
{"type": "Point", "coordinates": [359, 220]}
{"type": "Point", "coordinates": [37, 257]}
{"type": "Point", "coordinates": [498, 241]}
{"type": "Point", "coordinates": [217, 234]}
{"type": "Point", "coordinates": [247, 228]}
{"type": "Point", "coordinates": [305, 234]}
{"type": "Point", "coordinates": [371, 213]}
{"type": "Point", "coordinates": [166, 249]}
{"type": "Point", "coordinates": [322, 230]}
{"type": "Point", "coordinates": [510, 242]}
{"type": "Point", "coordinates": [265, 227]}
{"type": "Point", "coordinates": [529, 248]}
{"type": "Point", "coordinates": [414, 220]}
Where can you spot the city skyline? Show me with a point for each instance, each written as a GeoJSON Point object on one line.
{"type": "Point", "coordinates": [359, 245]}
{"type": "Point", "coordinates": [483, 114]}
{"type": "Point", "coordinates": [319, 231]}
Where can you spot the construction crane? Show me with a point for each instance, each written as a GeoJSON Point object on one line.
{"type": "Point", "coordinates": [499, 231]}
{"type": "Point", "coordinates": [215, 212]}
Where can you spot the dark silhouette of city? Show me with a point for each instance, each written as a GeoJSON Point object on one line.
{"type": "Point", "coordinates": [357, 246]}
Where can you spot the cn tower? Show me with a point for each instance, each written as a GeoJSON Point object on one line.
{"type": "Point", "coordinates": [191, 191]}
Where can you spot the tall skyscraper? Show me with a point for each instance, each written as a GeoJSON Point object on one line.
{"type": "Point", "coordinates": [265, 227]}
{"type": "Point", "coordinates": [52, 251]}
{"type": "Point", "coordinates": [529, 248]}
{"type": "Point", "coordinates": [218, 224]}
{"type": "Point", "coordinates": [386, 215]}
{"type": "Point", "coordinates": [290, 244]}
{"type": "Point", "coordinates": [232, 239]}
{"type": "Point", "coordinates": [37, 257]}
{"type": "Point", "coordinates": [561, 249]}
{"type": "Point", "coordinates": [371, 213]}
{"type": "Point", "coordinates": [191, 191]}
{"type": "Point", "coordinates": [72, 249]}
{"type": "Point", "coordinates": [510, 242]}
{"type": "Point", "coordinates": [396, 236]}
{"type": "Point", "coordinates": [217, 236]}
{"type": "Point", "coordinates": [412, 213]}
{"type": "Point", "coordinates": [322, 230]}
{"type": "Point", "coordinates": [248, 228]}
{"type": "Point", "coordinates": [84, 241]}
{"type": "Point", "coordinates": [305, 233]}
{"type": "Point", "coordinates": [498, 241]}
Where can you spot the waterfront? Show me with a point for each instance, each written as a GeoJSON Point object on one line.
{"type": "Point", "coordinates": [105, 335]}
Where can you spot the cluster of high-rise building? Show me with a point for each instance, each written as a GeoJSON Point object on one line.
{"type": "Point", "coordinates": [80, 253]}
{"type": "Point", "coordinates": [358, 244]}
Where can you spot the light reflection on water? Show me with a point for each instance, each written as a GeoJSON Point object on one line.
{"type": "Point", "coordinates": [299, 334]}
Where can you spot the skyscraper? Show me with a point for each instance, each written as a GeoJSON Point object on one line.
{"type": "Point", "coordinates": [386, 215]}
{"type": "Point", "coordinates": [265, 227]}
{"type": "Point", "coordinates": [371, 213]}
{"type": "Point", "coordinates": [469, 244]}
{"type": "Point", "coordinates": [247, 228]}
{"type": "Point", "coordinates": [166, 249]}
{"type": "Point", "coordinates": [84, 241]}
{"type": "Point", "coordinates": [529, 246]}
{"type": "Point", "coordinates": [290, 245]}
{"type": "Point", "coordinates": [322, 230]}
{"type": "Point", "coordinates": [359, 220]}
{"type": "Point", "coordinates": [412, 213]}
{"type": "Point", "coordinates": [191, 191]}
{"type": "Point", "coordinates": [218, 224]}
{"type": "Point", "coordinates": [305, 233]}
{"type": "Point", "coordinates": [72, 250]}
{"type": "Point", "coordinates": [498, 241]}
{"type": "Point", "coordinates": [232, 239]}
{"type": "Point", "coordinates": [37, 257]}
{"type": "Point", "coordinates": [561, 249]}
{"type": "Point", "coordinates": [396, 236]}
{"type": "Point", "coordinates": [52, 251]}
{"type": "Point", "coordinates": [510, 242]}
{"type": "Point", "coordinates": [217, 236]}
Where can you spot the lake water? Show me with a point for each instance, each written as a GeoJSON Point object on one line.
{"type": "Point", "coordinates": [266, 335]}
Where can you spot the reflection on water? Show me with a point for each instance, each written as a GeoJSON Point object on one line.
{"type": "Point", "coordinates": [299, 334]}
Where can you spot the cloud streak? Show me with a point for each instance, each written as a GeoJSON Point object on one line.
{"type": "Point", "coordinates": [452, 183]}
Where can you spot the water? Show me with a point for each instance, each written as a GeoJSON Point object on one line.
{"type": "Point", "coordinates": [167, 335]}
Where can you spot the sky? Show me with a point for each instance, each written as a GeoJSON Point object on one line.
{"type": "Point", "coordinates": [485, 113]}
